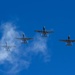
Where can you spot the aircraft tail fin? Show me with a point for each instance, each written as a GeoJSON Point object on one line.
{"type": "Point", "coordinates": [43, 27]}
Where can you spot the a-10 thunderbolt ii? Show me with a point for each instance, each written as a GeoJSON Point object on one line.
{"type": "Point", "coordinates": [7, 47]}
{"type": "Point", "coordinates": [24, 39]}
{"type": "Point", "coordinates": [68, 41]}
{"type": "Point", "coordinates": [44, 32]}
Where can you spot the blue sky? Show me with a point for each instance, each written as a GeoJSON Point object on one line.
{"type": "Point", "coordinates": [55, 14]}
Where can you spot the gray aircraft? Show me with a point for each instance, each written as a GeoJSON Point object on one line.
{"type": "Point", "coordinates": [44, 31]}
{"type": "Point", "coordinates": [68, 41]}
{"type": "Point", "coordinates": [24, 39]}
{"type": "Point", "coordinates": [7, 47]}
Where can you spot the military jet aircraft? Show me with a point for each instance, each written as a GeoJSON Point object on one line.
{"type": "Point", "coordinates": [68, 41]}
{"type": "Point", "coordinates": [44, 31]}
{"type": "Point", "coordinates": [7, 47]}
{"type": "Point", "coordinates": [24, 39]}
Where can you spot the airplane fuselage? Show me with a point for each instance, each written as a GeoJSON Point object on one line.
{"type": "Point", "coordinates": [24, 40]}
{"type": "Point", "coordinates": [69, 42]}
{"type": "Point", "coordinates": [7, 47]}
{"type": "Point", "coordinates": [44, 32]}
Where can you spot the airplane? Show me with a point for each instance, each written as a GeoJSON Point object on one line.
{"type": "Point", "coordinates": [44, 31]}
{"type": "Point", "coordinates": [68, 41]}
{"type": "Point", "coordinates": [7, 46]}
{"type": "Point", "coordinates": [24, 39]}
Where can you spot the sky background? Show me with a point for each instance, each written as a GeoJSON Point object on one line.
{"type": "Point", "coordinates": [59, 15]}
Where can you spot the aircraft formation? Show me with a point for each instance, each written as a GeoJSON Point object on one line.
{"type": "Point", "coordinates": [44, 33]}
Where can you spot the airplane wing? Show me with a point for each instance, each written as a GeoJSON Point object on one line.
{"type": "Point", "coordinates": [28, 38]}
{"type": "Point", "coordinates": [67, 40]}
{"type": "Point", "coordinates": [40, 31]}
{"type": "Point", "coordinates": [8, 46]}
{"type": "Point", "coordinates": [64, 40]}
{"type": "Point", "coordinates": [49, 31]}
{"type": "Point", "coordinates": [19, 38]}
{"type": "Point", "coordinates": [11, 46]}
{"type": "Point", "coordinates": [72, 40]}
{"type": "Point", "coordinates": [4, 46]}
{"type": "Point", "coordinates": [24, 38]}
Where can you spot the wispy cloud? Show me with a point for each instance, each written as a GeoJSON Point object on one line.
{"type": "Point", "coordinates": [20, 57]}
{"type": "Point", "coordinates": [39, 47]}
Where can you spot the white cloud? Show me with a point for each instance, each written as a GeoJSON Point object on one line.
{"type": "Point", "coordinates": [20, 57]}
{"type": "Point", "coordinates": [39, 47]}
